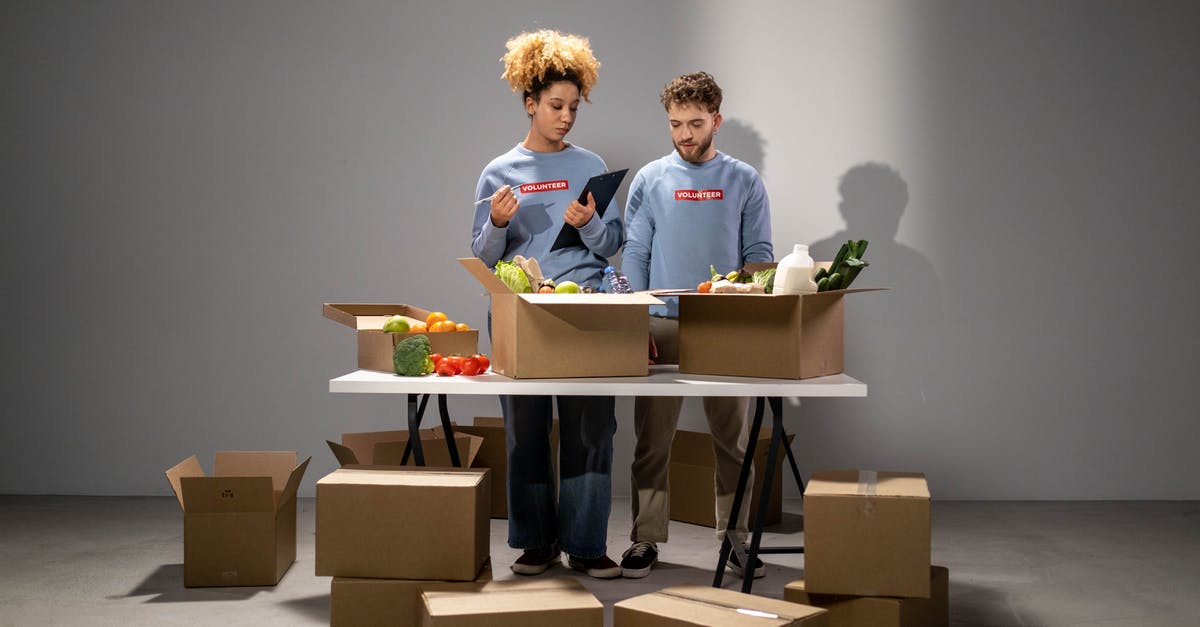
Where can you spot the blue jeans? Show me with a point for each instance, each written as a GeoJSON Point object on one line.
{"type": "Point", "coordinates": [578, 521]}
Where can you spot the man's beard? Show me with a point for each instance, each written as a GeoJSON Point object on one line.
{"type": "Point", "coordinates": [701, 149]}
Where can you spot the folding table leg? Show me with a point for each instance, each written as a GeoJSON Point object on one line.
{"type": "Point", "coordinates": [449, 431]}
{"type": "Point", "coordinates": [728, 542]}
{"type": "Point", "coordinates": [415, 413]}
{"type": "Point", "coordinates": [764, 497]}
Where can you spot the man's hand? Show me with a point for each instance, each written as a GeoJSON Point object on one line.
{"type": "Point", "coordinates": [504, 206]}
{"type": "Point", "coordinates": [578, 215]}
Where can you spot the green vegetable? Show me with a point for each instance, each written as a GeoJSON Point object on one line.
{"type": "Point", "coordinates": [410, 358]}
{"type": "Point", "coordinates": [765, 278]}
{"type": "Point", "coordinates": [823, 284]}
{"type": "Point", "coordinates": [835, 281]}
{"type": "Point", "coordinates": [513, 276]}
{"type": "Point", "coordinates": [822, 272]}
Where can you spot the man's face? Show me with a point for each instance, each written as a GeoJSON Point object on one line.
{"type": "Point", "coordinates": [692, 130]}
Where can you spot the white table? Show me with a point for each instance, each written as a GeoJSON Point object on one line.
{"type": "Point", "coordinates": [662, 381]}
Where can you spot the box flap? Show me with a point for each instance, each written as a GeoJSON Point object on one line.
{"type": "Point", "coordinates": [508, 597]}
{"type": "Point", "coordinates": [344, 455]}
{"type": "Point", "coordinates": [484, 275]}
{"type": "Point", "coordinates": [370, 316]}
{"type": "Point", "coordinates": [293, 482]}
{"type": "Point", "coordinates": [434, 447]}
{"type": "Point", "coordinates": [209, 495]}
{"type": "Point", "coordinates": [363, 444]}
{"type": "Point", "coordinates": [867, 483]}
{"type": "Point", "coordinates": [189, 467]}
{"type": "Point", "coordinates": [489, 421]}
{"type": "Point", "coordinates": [277, 465]}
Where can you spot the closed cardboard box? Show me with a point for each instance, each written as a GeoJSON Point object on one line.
{"type": "Point", "coordinates": [375, 346]}
{"type": "Point", "coordinates": [239, 525]}
{"type": "Point", "coordinates": [565, 335]}
{"type": "Point", "coordinates": [698, 606]}
{"type": "Point", "coordinates": [356, 602]}
{"type": "Point", "coordinates": [693, 496]}
{"type": "Point", "coordinates": [386, 448]}
{"type": "Point", "coordinates": [531, 603]}
{"type": "Point", "coordinates": [403, 524]}
{"type": "Point", "coordinates": [851, 611]}
{"type": "Point", "coordinates": [866, 533]}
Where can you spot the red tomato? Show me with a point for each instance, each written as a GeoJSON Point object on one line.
{"type": "Point", "coordinates": [436, 358]}
{"type": "Point", "coordinates": [456, 361]}
{"type": "Point", "coordinates": [484, 362]}
{"type": "Point", "coordinates": [446, 369]}
{"type": "Point", "coordinates": [471, 366]}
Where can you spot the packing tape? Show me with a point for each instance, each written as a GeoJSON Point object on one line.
{"type": "Point", "coordinates": [867, 482]}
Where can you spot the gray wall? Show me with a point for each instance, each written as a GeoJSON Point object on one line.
{"type": "Point", "coordinates": [184, 184]}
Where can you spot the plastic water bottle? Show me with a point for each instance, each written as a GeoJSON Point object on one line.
{"type": "Point", "coordinates": [615, 282]}
{"type": "Point", "coordinates": [793, 273]}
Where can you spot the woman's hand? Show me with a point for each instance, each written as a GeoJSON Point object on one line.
{"type": "Point", "coordinates": [504, 206]}
{"type": "Point", "coordinates": [578, 215]}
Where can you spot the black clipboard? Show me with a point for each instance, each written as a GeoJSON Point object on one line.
{"type": "Point", "coordinates": [603, 187]}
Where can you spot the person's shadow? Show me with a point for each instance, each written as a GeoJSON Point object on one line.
{"type": "Point", "coordinates": [892, 340]}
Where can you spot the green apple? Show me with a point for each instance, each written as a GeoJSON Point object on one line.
{"type": "Point", "coordinates": [395, 324]}
{"type": "Point", "coordinates": [567, 287]}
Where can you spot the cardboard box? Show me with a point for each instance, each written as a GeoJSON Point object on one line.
{"type": "Point", "coordinates": [780, 336]}
{"type": "Point", "coordinates": [702, 605]}
{"type": "Point", "coordinates": [565, 335]}
{"type": "Point", "coordinates": [867, 533]}
{"type": "Point", "coordinates": [851, 611]}
{"type": "Point", "coordinates": [693, 497]}
{"type": "Point", "coordinates": [375, 346]}
{"type": "Point", "coordinates": [239, 525]}
{"type": "Point", "coordinates": [494, 455]}
{"type": "Point", "coordinates": [530, 603]}
{"type": "Point", "coordinates": [403, 524]}
{"type": "Point", "coordinates": [386, 448]}
{"type": "Point", "coordinates": [357, 602]}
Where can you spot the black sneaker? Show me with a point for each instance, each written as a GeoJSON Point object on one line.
{"type": "Point", "coordinates": [598, 567]}
{"type": "Point", "coordinates": [637, 561]}
{"type": "Point", "coordinates": [535, 561]}
{"type": "Point", "coordinates": [760, 569]}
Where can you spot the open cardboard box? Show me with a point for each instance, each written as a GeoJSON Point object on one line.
{"type": "Point", "coordinates": [781, 336]}
{"type": "Point", "coordinates": [493, 454]}
{"type": "Point", "coordinates": [386, 448]}
{"type": "Point", "coordinates": [565, 335]}
{"type": "Point", "coordinates": [703, 605]}
{"type": "Point", "coordinates": [239, 524]}
{"type": "Point", "coordinates": [375, 346]}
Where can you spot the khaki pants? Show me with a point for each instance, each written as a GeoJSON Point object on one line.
{"type": "Point", "coordinates": [654, 420]}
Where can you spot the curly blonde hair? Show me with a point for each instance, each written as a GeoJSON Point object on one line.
{"type": "Point", "coordinates": [698, 88]}
{"type": "Point", "coordinates": [536, 60]}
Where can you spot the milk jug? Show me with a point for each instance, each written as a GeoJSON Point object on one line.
{"type": "Point", "coordinates": [793, 274]}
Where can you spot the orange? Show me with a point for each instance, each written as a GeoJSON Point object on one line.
{"type": "Point", "coordinates": [448, 325]}
{"type": "Point", "coordinates": [418, 327]}
{"type": "Point", "coordinates": [436, 316]}
{"type": "Point", "coordinates": [462, 326]}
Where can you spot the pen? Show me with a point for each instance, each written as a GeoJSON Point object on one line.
{"type": "Point", "coordinates": [516, 189]}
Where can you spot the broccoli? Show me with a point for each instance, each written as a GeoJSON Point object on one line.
{"type": "Point", "coordinates": [410, 358]}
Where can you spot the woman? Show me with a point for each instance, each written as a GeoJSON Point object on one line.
{"type": "Point", "coordinates": [534, 191]}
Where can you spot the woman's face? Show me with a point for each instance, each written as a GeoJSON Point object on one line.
{"type": "Point", "coordinates": [553, 112]}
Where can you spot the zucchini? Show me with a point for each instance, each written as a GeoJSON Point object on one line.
{"type": "Point", "coordinates": [823, 284]}
{"type": "Point", "coordinates": [835, 281]}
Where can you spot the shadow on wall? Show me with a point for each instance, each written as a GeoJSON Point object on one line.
{"type": "Point", "coordinates": [891, 337]}
{"type": "Point", "coordinates": [741, 141]}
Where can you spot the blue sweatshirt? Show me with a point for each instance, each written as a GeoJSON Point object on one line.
{"type": "Point", "coordinates": [548, 182]}
{"type": "Point", "coordinates": [683, 217]}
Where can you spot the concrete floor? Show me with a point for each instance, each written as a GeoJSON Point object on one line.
{"type": "Point", "coordinates": [117, 561]}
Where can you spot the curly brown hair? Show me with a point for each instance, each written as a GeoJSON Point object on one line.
{"type": "Point", "coordinates": [536, 60]}
{"type": "Point", "coordinates": [696, 88]}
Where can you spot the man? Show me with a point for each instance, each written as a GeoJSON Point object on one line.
{"type": "Point", "coordinates": [693, 208]}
